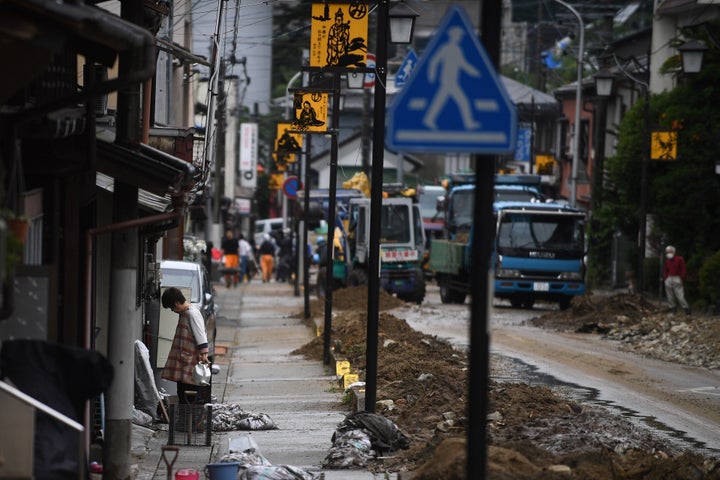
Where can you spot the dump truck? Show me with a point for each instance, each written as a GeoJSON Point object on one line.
{"type": "Point", "coordinates": [402, 242]}
{"type": "Point", "coordinates": [538, 251]}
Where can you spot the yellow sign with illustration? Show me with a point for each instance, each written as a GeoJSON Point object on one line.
{"type": "Point", "coordinates": [311, 112]}
{"type": "Point", "coordinates": [663, 145]}
{"type": "Point", "coordinates": [338, 35]}
{"type": "Point", "coordinates": [276, 181]}
{"type": "Point", "coordinates": [287, 146]}
{"type": "Point", "coordinates": [545, 164]}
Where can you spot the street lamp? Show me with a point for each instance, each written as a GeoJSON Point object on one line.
{"type": "Point", "coordinates": [604, 82]}
{"type": "Point", "coordinates": [692, 55]}
{"type": "Point", "coordinates": [402, 23]}
{"type": "Point", "coordinates": [385, 20]}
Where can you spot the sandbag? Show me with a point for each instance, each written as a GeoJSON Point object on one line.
{"type": "Point", "coordinates": [385, 436]}
{"type": "Point", "coordinates": [228, 417]}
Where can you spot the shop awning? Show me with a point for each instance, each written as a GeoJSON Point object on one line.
{"type": "Point", "coordinates": [150, 169]}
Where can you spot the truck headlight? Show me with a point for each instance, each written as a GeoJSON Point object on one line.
{"type": "Point", "coordinates": [570, 276]}
{"type": "Point", "coordinates": [508, 273]}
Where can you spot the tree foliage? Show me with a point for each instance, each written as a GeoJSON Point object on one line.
{"type": "Point", "coordinates": [683, 196]}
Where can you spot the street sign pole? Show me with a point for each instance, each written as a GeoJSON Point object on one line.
{"type": "Point", "coordinates": [454, 101]}
{"type": "Point", "coordinates": [480, 276]}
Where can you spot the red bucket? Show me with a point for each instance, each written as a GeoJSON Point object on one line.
{"type": "Point", "coordinates": [187, 474]}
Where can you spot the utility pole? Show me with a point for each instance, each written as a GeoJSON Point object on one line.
{"type": "Point", "coordinates": [220, 146]}
{"type": "Point", "coordinates": [123, 314]}
{"type": "Point", "coordinates": [536, 65]}
{"type": "Point", "coordinates": [210, 139]}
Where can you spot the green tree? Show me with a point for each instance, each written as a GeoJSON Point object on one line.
{"type": "Point", "coordinates": [683, 196]}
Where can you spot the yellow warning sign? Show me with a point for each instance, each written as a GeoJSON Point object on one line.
{"type": "Point", "coordinates": [311, 112]}
{"type": "Point", "coordinates": [663, 146]}
{"type": "Point", "coordinates": [338, 34]}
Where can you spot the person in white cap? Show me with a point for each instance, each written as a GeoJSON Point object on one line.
{"type": "Point", "coordinates": [673, 276]}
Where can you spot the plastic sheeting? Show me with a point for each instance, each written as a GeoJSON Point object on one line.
{"type": "Point", "coordinates": [228, 417]}
{"type": "Point", "coordinates": [350, 449]}
{"type": "Point", "coordinates": [147, 396]}
{"type": "Point", "coordinates": [254, 466]}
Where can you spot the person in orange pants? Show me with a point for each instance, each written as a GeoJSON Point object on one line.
{"type": "Point", "coordinates": [229, 248]}
{"type": "Point", "coordinates": [267, 255]}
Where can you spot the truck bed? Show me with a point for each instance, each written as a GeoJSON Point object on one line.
{"type": "Point", "coordinates": [447, 256]}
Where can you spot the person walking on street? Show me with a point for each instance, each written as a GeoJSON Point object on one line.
{"type": "Point", "coordinates": [673, 276]}
{"type": "Point", "coordinates": [245, 250]}
{"type": "Point", "coordinates": [189, 346]}
{"type": "Point", "coordinates": [267, 254]}
{"type": "Point", "coordinates": [230, 249]}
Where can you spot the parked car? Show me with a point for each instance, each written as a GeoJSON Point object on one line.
{"type": "Point", "coordinates": [192, 276]}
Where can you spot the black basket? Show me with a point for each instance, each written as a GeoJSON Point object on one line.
{"type": "Point", "coordinates": [199, 420]}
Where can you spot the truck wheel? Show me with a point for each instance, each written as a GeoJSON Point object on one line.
{"type": "Point", "coordinates": [528, 303]}
{"type": "Point", "coordinates": [419, 294]}
{"type": "Point", "coordinates": [357, 277]}
{"type": "Point", "coordinates": [320, 283]}
{"type": "Point", "coordinates": [516, 302]}
{"type": "Point", "coordinates": [565, 303]}
{"type": "Point", "coordinates": [446, 294]}
{"type": "Point", "coordinates": [459, 297]}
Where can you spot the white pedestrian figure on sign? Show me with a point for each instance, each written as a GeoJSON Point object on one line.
{"type": "Point", "coordinates": [449, 59]}
{"type": "Point", "coordinates": [407, 69]}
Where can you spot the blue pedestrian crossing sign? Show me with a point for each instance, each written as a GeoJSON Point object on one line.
{"type": "Point", "coordinates": [406, 68]}
{"type": "Point", "coordinates": [454, 100]}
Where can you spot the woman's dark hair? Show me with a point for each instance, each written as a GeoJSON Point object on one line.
{"type": "Point", "coordinates": [171, 296]}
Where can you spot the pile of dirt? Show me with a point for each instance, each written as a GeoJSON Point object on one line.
{"type": "Point", "coordinates": [353, 298]}
{"type": "Point", "coordinates": [597, 313]}
{"type": "Point", "coordinates": [534, 432]}
{"type": "Point", "coordinates": [642, 328]}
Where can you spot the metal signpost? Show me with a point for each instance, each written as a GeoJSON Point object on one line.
{"type": "Point", "coordinates": [455, 102]}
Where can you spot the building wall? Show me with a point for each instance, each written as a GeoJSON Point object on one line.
{"type": "Point", "coordinates": [583, 186]}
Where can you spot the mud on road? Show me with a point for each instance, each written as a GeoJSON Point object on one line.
{"type": "Point", "coordinates": [534, 432]}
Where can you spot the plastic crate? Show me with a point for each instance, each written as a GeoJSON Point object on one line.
{"type": "Point", "coordinates": [190, 424]}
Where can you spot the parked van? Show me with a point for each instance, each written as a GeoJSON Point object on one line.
{"type": "Point", "coordinates": [266, 225]}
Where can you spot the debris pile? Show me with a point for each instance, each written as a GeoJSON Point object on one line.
{"type": "Point", "coordinates": [642, 328]}
{"type": "Point", "coordinates": [534, 432]}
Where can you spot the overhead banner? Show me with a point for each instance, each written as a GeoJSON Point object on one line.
{"type": "Point", "coordinates": [287, 146]}
{"type": "Point", "coordinates": [311, 112]}
{"type": "Point", "coordinates": [248, 154]}
{"type": "Point", "coordinates": [338, 35]}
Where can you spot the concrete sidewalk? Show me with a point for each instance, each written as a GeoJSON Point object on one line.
{"type": "Point", "coordinates": [259, 324]}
